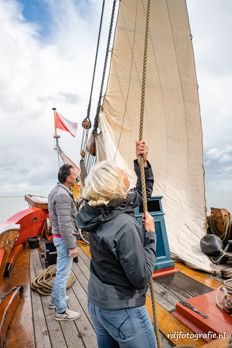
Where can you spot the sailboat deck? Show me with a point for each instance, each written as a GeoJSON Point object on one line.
{"type": "Point", "coordinates": [79, 333]}
{"type": "Point", "coordinates": [49, 332]}
{"type": "Point", "coordinates": [35, 325]}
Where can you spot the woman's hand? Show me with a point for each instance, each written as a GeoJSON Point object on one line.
{"type": "Point", "coordinates": [142, 150]}
{"type": "Point", "coordinates": [148, 222]}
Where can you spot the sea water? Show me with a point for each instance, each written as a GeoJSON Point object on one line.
{"type": "Point", "coordinates": [12, 205]}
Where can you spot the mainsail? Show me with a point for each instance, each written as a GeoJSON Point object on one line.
{"type": "Point", "coordinates": [172, 127]}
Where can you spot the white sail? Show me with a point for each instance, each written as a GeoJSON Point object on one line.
{"type": "Point", "coordinates": [172, 126]}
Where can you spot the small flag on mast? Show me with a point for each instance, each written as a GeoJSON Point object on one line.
{"type": "Point", "coordinates": [62, 123]}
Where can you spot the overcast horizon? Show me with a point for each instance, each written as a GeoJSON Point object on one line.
{"type": "Point", "coordinates": [47, 54]}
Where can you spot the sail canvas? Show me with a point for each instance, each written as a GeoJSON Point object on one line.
{"type": "Point", "coordinates": [172, 122]}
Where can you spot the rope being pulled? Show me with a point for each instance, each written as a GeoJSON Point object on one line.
{"type": "Point", "coordinates": [141, 159]}
{"type": "Point", "coordinates": [43, 282]}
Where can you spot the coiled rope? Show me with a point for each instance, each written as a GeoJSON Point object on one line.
{"type": "Point", "coordinates": [223, 296]}
{"type": "Point", "coordinates": [141, 158]}
{"type": "Point", "coordinates": [226, 273]}
{"type": "Point", "coordinates": [43, 282]}
{"type": "Point", "coordinates": [227, 227]}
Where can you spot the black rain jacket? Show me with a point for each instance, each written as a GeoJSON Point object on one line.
{"type": "Point", "coordinates": [123, 254]}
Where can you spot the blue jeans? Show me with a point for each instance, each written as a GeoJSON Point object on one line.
{"type": "Point", "coordinates": [63, 270]}
{"type": "Point", "coordinates": [124, 328]}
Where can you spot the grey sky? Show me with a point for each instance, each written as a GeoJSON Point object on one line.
{"type": "Point", "coordinates": [51, 65]}
{"type": "Point", "coordinates": [211, 27]}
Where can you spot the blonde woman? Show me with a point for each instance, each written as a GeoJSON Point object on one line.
{"type": "Point", "coordinates": [123, 255]}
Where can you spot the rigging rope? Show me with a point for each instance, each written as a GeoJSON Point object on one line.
{"type": "Point", "coordinates": [227, 227]}
{"type": "Point", "coordinates": [141, 159]}
{"type": "Point", "coordinates": [86, 122]}
{"type": "Point", "coordinates": [96, 120]}
{"type": "Point", "coordinates": [129, 82]}
{"type": "Point", "coordinates": [91, 146]}
{"type": "Point", "coordinates": [224, 291]}
{"type": "Point", "coordinates": [43, 282]}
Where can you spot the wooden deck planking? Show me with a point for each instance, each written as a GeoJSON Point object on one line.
{"type": "Point", "coordinates": [80, 276]}
{"type": "Point", "coordinates": [50, 333]}
{"type": "Point", "coordinates": [78, 333]}
{"type": "Point", "coordinates": [40, 327]}
{"type": "Point", "coordinates": [84, 324]}
{"type": "Point", "coordinates": [219, 343]}
{"type": "Point", "coordinates": [72, 335]}
{"type": "Point", "coordinates": [83, 266]}
{"type": "Point", "coordinates": [81, 333]}
{"type": "Point", "coordinates": [198, 275]}
{"type": "Point", "coordinates": [21, 327]}
{"type": "Point", "coordinates": [167, 323]}
{"type": "Point", "coordinates": [84, 255]}
{"type": "Point", "coordinates": [83, 251]}
{"type": "Point", "coordinates": [53, 327]}
{"type": "Point", "coordinates": [182, 286]}
{"type": "Point", "coordinates": [167, 301]}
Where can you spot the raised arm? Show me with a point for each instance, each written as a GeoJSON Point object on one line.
{"type": "Point", "coordinates": [138, 259]}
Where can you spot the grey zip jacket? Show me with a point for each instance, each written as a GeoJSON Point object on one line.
{"type": "Point", "coordinates": [62, 214]}
{"type": "Point", "coordinates": [123, 255]}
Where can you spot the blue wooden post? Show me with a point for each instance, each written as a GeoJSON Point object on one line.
{"type": "Point", "coordinates": [163, 259]}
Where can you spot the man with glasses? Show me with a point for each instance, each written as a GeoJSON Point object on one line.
{"type": "Point", "coordinates": [62, 214]}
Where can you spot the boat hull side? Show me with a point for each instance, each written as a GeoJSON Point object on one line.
{"type": "Point", "coordinates": [31, 222]}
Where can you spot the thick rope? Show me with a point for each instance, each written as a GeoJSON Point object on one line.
{"type": "Point", "coordinates": [223, 296]}
{"type": "Point", "coordinates": [141, 159]}
{"type": "Point", "coordinates": [43, 282]}
{"type": "Point", "coordinates": [227, 227]}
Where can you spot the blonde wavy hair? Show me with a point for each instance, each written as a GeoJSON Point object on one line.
{"type": "Point", "coordinates": [104, 183]}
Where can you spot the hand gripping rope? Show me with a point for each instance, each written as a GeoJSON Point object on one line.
{"type": "Point", "coordinates": [141, 159]}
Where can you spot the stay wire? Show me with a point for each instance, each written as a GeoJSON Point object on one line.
{"type": "Point", "coordinates": [96, 120]}
{"type": "Point", "coordinates": [85, 136]}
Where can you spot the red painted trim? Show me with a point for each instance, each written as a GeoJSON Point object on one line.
{"type": "Point", "coordinates": [218, 321]}
{"type": "Point", "coordinates": [7, 311]}
{"type": "Point", "coordinates": [14, 219]}
{"type": "Point", "coordinates": [190, 325]}
{"type": "Point", "coordinates": [15, 253]}
{"type": "Point", "coordinates": [163, 272]}
{"type": "Point", "coordinates": [2, 252]}
{"type": "Point", "coordinates": [31, 223]}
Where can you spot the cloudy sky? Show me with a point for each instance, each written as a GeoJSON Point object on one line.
{"type": "Point", "coordinates": [47, 49]}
